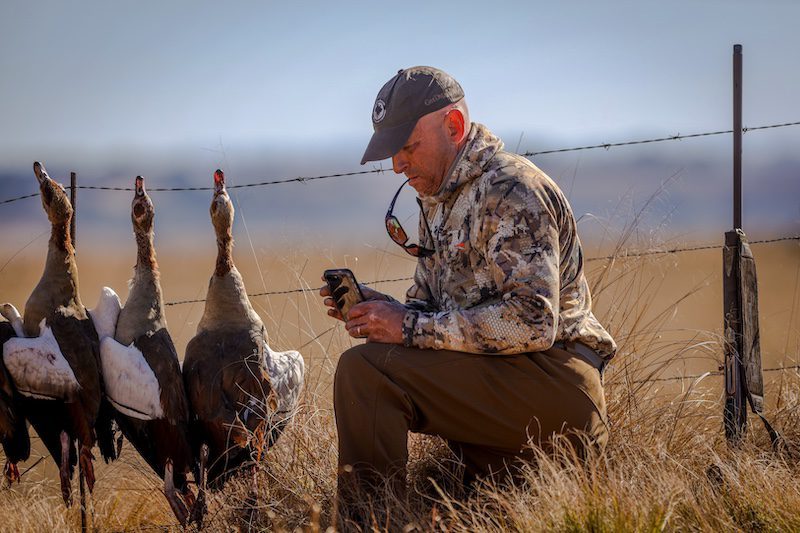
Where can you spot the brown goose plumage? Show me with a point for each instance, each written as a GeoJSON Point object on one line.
{"type": "Point", "coordinates": [227, 369]}
{"type": "Point", "coordinates": [86, 416]}
{"type": "Point", "coordinates": [141, 332]}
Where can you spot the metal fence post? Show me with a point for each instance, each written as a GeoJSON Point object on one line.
{"type": "Point", "coordinates": [743, 375]}
{"type": "Point", "coordinates": [73, 198]}
{"type": "Point", "coordinates": [737, 136]}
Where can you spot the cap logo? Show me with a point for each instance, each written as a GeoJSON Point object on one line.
{"type": "Point", "coordinates": [379, 111]}
{"type": "Point", "coordinates": [433, 99]}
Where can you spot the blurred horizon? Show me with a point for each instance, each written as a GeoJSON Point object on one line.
{"type": "Point", "coordinates": [690, 186]}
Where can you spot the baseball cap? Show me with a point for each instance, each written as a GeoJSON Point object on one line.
{"type": "Point", "coordinates": [411, 94]}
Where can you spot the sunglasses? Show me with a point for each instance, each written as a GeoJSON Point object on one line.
{"type": "Point", "coordinates": [399, 235]}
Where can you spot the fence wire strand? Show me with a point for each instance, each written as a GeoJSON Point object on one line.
{"type": "Point", "coordinates": [304, 179]}
{"type": "Point", "coordinates": [8, 201]}
{"type": "Point", "coordinates": [299, 179]}
{"type": "Point", "coordinates": [714, 373]}
{"type": "Point", "coordinates": [624, 255]}
{"type": "Point", "coordinates": [676, 137]}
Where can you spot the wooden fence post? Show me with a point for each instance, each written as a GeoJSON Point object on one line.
{"type": "Point", "coordinates": [743, 375]}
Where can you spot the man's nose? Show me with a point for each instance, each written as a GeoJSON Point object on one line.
{"type": "Point", "coordinates": [399, 164]}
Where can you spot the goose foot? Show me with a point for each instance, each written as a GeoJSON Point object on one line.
{"type": "Point", "coordinates": [12, 472]}
{"type": "Point", "coordinates": [188, 497]}
{"type": "Point", "coordinates": [178, 508]}
{"type": "Point", "coordinates": [199, 506]}
{"type": "Point", "coordinates": [119, 444]}
{"type": "Point", "coordinates": [196, 509]}
{"type": "Point", "coordinates": [87, 468]}
{"type": "Point", "coordinates": [63, 471]}
{"type": "Point", "coordinates": [261, 441]}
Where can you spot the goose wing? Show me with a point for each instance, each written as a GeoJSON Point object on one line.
{"type": "Point", "coordinates": [13, 430]}
{"type": "Point", "coordinates": [286, 373]}
{"type": "Point", "coordinates": [38, 368]}
{"type": "Point", "coordinates": [78, 341]}
{"type": "Point", "coordinates": [227, 386]}
{"type": "Point", "coordinates": [131, 385]}
{"type": "Point", "coordinates": [159, 352]}
{"type": "Point", "coordinates": [6, 385]}
{"type": "Point", "coordinates": [106, 312]}
{"type": "Point", "coordinates": [246, 382]}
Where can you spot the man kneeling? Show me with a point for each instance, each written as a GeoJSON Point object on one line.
{"type": "Point", "coordinates": [496, 348]}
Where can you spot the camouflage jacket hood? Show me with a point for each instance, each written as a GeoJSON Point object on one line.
{"type": "Point", "coordinates": [507, 273]}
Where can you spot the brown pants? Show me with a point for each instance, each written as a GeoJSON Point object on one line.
{"type": "Point", "coordinates": [490, 408]}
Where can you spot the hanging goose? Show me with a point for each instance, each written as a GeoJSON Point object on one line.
{"type": "Point", "coordinates": [56, 366]}
{"type": "Point", "coordinates": [13, 428]}
{"type": "Point", "coordinates": [142, 374]}
{"type": "Point", "coordinates": [242, 392]}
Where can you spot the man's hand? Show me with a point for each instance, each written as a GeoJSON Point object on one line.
{"type": "Point", "coordinates": [378, 321]}
{"type": "Point", "coordinates": [369, 295]}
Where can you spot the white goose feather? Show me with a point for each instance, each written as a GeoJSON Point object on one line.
{"type": "Point", "coordinates": [106, 313]}
{"type": "Point", "coordinates": [131, 385]}
{"type": "Point", "coordinates": [38, 367]}
{"type": "Point", "coordinates": [11, 314]}
{"type": "Point", "coordinates": [286, 373]}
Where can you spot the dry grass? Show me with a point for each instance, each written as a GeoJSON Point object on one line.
{"type": "Point", "coordinates": [666, 466]}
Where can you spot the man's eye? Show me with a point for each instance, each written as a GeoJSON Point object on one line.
{"type": "Point", "coordinates": [411, 147]}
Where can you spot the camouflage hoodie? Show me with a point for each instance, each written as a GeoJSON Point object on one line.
{"type": "Point", "coordinates": [507, 276]}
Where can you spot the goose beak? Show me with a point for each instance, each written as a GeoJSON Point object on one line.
{"type": "Point", "coordinates": [139, 186]}
{"type": "Point", "coordinates": [219, 181]}
{"type": "Point", "coordinates": [41, 172]}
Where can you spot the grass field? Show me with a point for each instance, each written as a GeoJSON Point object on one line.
{"type": "Point", "coordinates": [664, 311]}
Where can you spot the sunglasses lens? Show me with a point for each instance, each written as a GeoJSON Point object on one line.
{"type": "Point", "coordinates": [396, 231]}
{"type": "Point", "coordinates": [414, 250]}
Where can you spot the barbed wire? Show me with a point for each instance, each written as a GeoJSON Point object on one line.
{"type": "Point", "coordinates": [290, 291]}
{"type": "Point", "coordinates": [8, 201]}
{"type": "Point", "coordinates": [607, 257]}
{"type": "Point", "coordinates": [626, 255]}
{"type": "Point", "coordinates": [676, 137]}
{"type": "Point", "coordinates": [714, 373]}
{"type": "Point", "coordinates": [299, 179]}
{"type": "Point", "coordinates": [303, 179]}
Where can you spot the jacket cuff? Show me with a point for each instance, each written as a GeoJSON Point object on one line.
{"type": "Point", "coordinates": [409, 323]}
{"type": "Point", "coordinates": [418, 330]}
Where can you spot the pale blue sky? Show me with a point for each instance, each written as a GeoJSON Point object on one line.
{"type": "Point", "coordinates": [98, 74]}
{"type": "Point", "coordinates": [115, 89]}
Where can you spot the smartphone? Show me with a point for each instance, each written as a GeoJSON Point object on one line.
{"type": "Point", "coordinates": [344, 289]}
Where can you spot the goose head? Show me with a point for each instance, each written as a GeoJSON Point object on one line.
{"type": "Point", "coordinates": [54, 197]}
{"type": "Point", "coordinates": [142, 211]}
{"type": "Point", "coordinates": [221, 207]}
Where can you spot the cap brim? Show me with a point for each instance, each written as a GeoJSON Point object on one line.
{"type": "Point", "coordinates": [387, 141]}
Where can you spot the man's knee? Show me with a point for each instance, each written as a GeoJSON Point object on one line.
{"type": "Point", "coordinates": [355, 372]}
{"type": "Point", "coordinates": [351, 364]}
{"type": "Point", "coordinates": [368, 357]}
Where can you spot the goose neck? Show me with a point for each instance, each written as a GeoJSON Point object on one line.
{"type": "Point", "coordinates": [224, 254]}
{"type": "Point", "coordinates": [146, 254]}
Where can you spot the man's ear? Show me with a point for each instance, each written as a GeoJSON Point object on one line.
{"type": "Point", "coordinates": [456, 127]}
